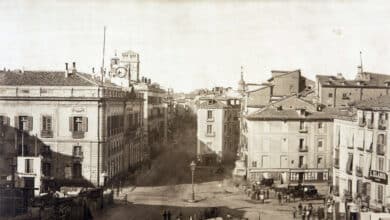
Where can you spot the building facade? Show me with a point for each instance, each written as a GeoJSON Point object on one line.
{"type": "Point", "coordinates": [336, 91]}
{"type": "Point", "coordinates": [218, 129]}
{"type": "Point", "coordinates": [91, 128]}
{"type": "Point", "coordinates": [361, 162]}
{"type": "Point", "coordinates": [288, 140]}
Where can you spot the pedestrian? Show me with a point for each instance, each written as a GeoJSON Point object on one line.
{"type": "Point", "coordinates": [169, 215]}
{"type": "Point", "coordinates": [267, 194]}
{"type": "Point", "coordinates": [280, 198]}
{"type": "Point", "coordinates": [300, 208]}
{"type": "Point", "coordinates": [294, 212]}
{"type": "Point", "coordinates": [288, 198]}
{"type": "Point", "coordinates": [262, 198]}
{"type": "Point", "coordinates": [165, 214]}
{"type": "Point", "coordinates": [309, 211]}
{"type": "Point", "coordinates": [304, 213]}
{"type": "Point", "coordinates": [320, 213]}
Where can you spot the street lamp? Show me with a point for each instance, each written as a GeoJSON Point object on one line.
{"type": "Point", "coordinates": [193, 166]}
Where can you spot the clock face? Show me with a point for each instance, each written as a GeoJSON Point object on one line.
{"type": "Point", "coordinates": [121, 71]}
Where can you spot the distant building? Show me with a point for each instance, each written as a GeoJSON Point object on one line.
{"type": "Point", "coordinates": [93, 129]}
{"type": "Point", "coordinates": [125, 72]}
{"type": "Point", "coordinates": [361, 156]}
{"type": "Point", "coordinates": [336, 91]}
{"type": "Point", "coordinates": [290, 140]}
{"type": "Point", "coordinates": [218, 129]}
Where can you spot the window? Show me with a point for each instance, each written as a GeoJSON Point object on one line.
{"type": "Point", "coordinates": [29, 166]}
{"type": "Point", "coordinates": [301, 161]}
{"type": "Point", "coordinates": [24, 123]}
{"type": "Point", "coordinates": [46, 123]}
{"type": "Point", "coordinates": [209, 129]}
{"type": "Point", "coordinates": [320, 161]}
{"type": "Point", "coordinates": [46, 169]}
{"type": "Point", "coordinates": [301, 125]}
{"type": "Point", "coordinates": [379, 195]}
{"type": "Point", "coordinates": [76, 170]}
{"type": "Point", "coordinates": [330, 95]}
{"type": "Point", "coordinates": [320, 144]}
{"type": "Point", "coordinates": [77, 124]}
{"type": "Point", "coordinates": [320, 125]}
{"type": "Point", "coordinates": [209, 114]}
{"type": "Point", "coordinates": [77, 152]}
{"type": "Point", "coordinates": [381, 164]}
{"type": "Point", "coordinates": [254, 163]}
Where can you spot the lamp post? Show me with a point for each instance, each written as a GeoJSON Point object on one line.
{"type": "Point", "coordinates": [193, 166]}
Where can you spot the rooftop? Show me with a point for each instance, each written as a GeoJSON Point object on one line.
{"type": "Point", "coordinates": [49, 78]}
{"type": "Point", "coordinates": [379, 103]}
{"type": "Point", "coordinates": [373, 80]}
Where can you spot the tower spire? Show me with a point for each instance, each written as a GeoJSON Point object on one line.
{"type": "Point", "coordinates": [242, 73]}
{"type": "Point", "coordinates": [361, 62]}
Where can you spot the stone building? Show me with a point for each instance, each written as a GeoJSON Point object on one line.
{"type": "Point", "coordinates": [218, 129]}
{"type": "Point", "coordinates": [289, 139]}
{"type": "Point", "coordinates": [361, 161]}
{"type": "Point", "coordinates": [92, 128]}
{"type": "Point", "coordinates": [336, 91]}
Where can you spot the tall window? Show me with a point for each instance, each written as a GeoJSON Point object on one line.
{"type": "Point", "coordinates": [381, 164]}
{"type": "Point", "coordinates": [24, 123]}
{"type": "Point", "coordinates": [320, 125]}
{"type": "Point", "coordinates": [209, 114]}
{"type": "Point", "coordinates": [320, 161]}
{"type": "Point", "coordinates": [209, 129]}
{"type": "Point", "coordinates": [76, 170]}
{"type": "Point", "coordinates": [379, 193]}
{"type": "Point", "coordinates": [301, 161]}
{"type": "Point", "coordinates": [320, 144]}
{"type": "Point", "coordinates": [77, 151]}
{"type": "Point", "coordinates": [77, 124]}
{"type": "Point", "coordinates": [254, 163]}
{"type": "Point", "coordinates": [301, 125]}
{"type": "Point", "coordinates": [29, 166]}
{"type": "Point", "coordinates": [46, 123]}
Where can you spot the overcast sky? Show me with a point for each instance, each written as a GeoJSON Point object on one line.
{"type": "Point", "coordinates": [197, 44]}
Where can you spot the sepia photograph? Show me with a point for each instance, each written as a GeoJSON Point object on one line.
{"type": "Point", "coordinates": [194, 110]}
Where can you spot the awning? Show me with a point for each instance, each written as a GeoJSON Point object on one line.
{"type": "Point", "coordinates": [349, 163]}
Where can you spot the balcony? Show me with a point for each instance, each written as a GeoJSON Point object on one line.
{"type": "Point", "coordinates": [302, 166]}
{"type": "Point", "coordinates": [303, 129]}
{"type": "Point", "coordinates": [380, 149]}
{"type": "Point", "coordinates": [77, 134]}
{"type": "Point", "coordinates": [46, 133]}
{"type": "Point", "coordinates": [350, 146]}
{"type": "Point", "coordinates": [336, 163]}
{"type": "Point", "coordinates": [382, 124]}
{"type": "Point", "coordinates": [359, 171]}
{"type": "Point", "coordinates": [212, 134]}
{"type": "Point", "coordinates": [210, 119]}
{"type": "Point", "coordinates": [362, 122]}
{"type": "Point", "coordinates": [303, 148]}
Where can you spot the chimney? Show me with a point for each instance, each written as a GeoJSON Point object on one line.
{"type": "Point", "coordinates": [149, 81]}
{"type": "Point", "coordinates": [66, 70]}
{"type": "Point", "coordinates": [74, 68]}
{"type": "Point", "coordinates": [93, 69]}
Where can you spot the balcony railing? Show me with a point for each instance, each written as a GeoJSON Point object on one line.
{"type": "Point", "coordinates": [380, 149]}
{"type": "Point", "coordinates": [303, 148]}
{"type": "Point", "coordinates": [47, 133]}
{"type": "Point", "coordinates": [359, 171]}
{"type": "Point", "coordinates": [78, 156]}
{"type": "Point", "coordinates": [212, 134]}
{"type": "Point", "coordinates": [210, 119]}
{"type": "Point", "coordinates": [382, 124]}
{"type": "Point", "coordinates": [302, 166]}
{"type": "Point", "coordinates": [350, 146]}
{"type": "Point", "coordinates": [78, 134]}
{"type": "Point", "coordinates": [336, 163]}
{"type": "Point", "coordinates": [303, 129]}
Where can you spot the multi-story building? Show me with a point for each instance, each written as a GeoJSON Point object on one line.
{"type": "Point", "coordinates": [361, 161]}
{"type": "Point", "coordinates": [92, 128]}
{"type": "Point", "coordinates": [125, 72]}
{"type": "Point", "coordinates": [290, 139]}
{"type": "Point", "coordinates": [218, 129]}
{"type": "Point", "coordinates": [336, 91]}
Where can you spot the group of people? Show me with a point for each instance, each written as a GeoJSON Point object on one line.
{"type": "Point", "coordinates": [307, 212]}
{"type": "Point", "coordinates": [257, 193]}
{"type": "Point", "coordinates": [285, 197]}
{"type": "Point", "coordinates": [203, 214]}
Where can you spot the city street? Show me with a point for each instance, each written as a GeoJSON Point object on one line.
{"type": "Point", "coordinates": [167, 186]}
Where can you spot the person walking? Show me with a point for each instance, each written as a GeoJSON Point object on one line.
{"type": "Point", "coordinates": [300, 209]}
{"type": "Point", "coordinates": [294, 212]}
{"type": "Point", "coordinates": [267, 192]}
{"type": "Point", "coordinates": [304, 213]}
{"type": "Point", "coordinates": [280, 198]}
{"type": "Point", "coordinates": [309, 211]}
{"type": "Point", "coordinates": [320, 213]}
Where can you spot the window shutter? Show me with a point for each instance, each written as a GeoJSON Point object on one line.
{"type": "Point", "coordinates": [17, 122]}
{"type": "Point", "coordinates": [30, 123]}
{"type": "Point", "coordinates": [42, 122]}
{"type": "Point", "coordinates": [85, 124]}
{"type": "Point", "coordinates": [71, 124]}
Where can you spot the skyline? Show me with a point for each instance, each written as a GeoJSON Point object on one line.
{"type": "Point", "coordinates": [188, 45]}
